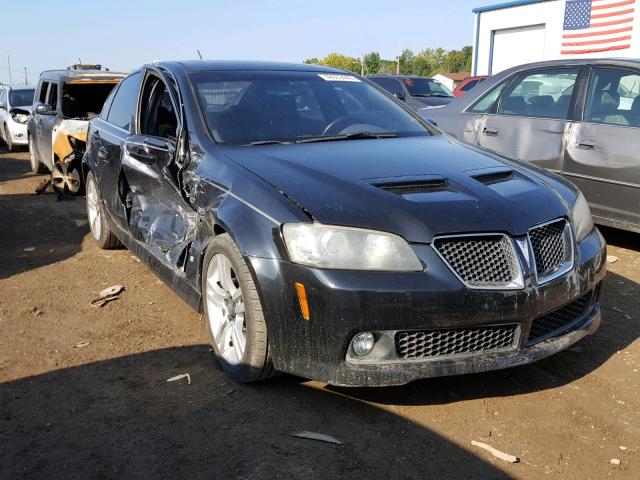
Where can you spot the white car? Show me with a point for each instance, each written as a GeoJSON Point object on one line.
{"type": "Point", "coordinates": [15, 109]}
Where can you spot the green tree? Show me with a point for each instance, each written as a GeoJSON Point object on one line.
{"type": "Point", "coordinates": [406, 62]}
{"type": "Point", "coordinates": [372, 62]}
{"type": "Point", "coordinates": [313, 61]}
{"type": "Point", "coordinates": [337, 60]}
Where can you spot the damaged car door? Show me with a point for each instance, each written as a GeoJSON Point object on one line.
{"type": "Point", "coordinates": [158, 215]}
{"type": "Point", "coordinates": [532, 117]}
{"type": "Point", "coordinates": [115, 126]}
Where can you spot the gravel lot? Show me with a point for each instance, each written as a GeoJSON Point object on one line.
{"type": "Point", "coordinates": [83, 391]}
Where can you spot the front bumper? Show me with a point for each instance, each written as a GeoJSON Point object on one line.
{"type": "Point", "coordinates": [18, 132]}
{"type": "Point", "coordinates": [344, 303]}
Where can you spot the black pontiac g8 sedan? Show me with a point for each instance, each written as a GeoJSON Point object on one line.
{"type": "Point", "coordinates": [325, 230]}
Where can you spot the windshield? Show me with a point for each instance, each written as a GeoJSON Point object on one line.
{"type": "Point", "coordinates": [426, 87]}
{"type": "Point", "coordinates": [249, 107]}
{"type": "Point", "coordinates": [21, 98]}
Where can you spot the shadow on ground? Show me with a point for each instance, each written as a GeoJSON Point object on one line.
{"type": "Point", "coordinates": [120, 418]}
{"type": "Point", "coordinates": [37, 230]}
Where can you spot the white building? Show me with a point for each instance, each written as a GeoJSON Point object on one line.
{"type": "Point", "coordinates": [523, 31]}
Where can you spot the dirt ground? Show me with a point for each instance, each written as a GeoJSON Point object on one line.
{"type": "Point", "coordinates": [83, 390]}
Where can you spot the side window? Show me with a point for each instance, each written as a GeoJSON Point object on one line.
{"type": "Point", "coordinates": [157, 116]}
{"type": "Point", "coordinates": [42, 93]}
{"type": "Point", "coordinates": [124, 102]}
{"type": "Point", "coordinates": [390, 85]}
{"type": "Point", "coordinates": [469, 85]}
{"type": "Point", "coordinates": [544, 94]}
{"type": "Point", "coordinates": [52, 97]}
{"type": "Point", "coordinates": [107, 104]}
{"type": "Point", "coordinates": [485, 104]}
{"type": "Point", "coordinates": [613, 97]}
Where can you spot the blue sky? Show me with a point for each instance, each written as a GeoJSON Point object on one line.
{"type": "Point", "coordinates": [43, 34]}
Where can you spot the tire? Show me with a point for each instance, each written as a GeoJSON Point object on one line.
{"type": "Point", "coordinates": [99, 222]}
{"type": "Point", "coordinates": [232, 313]}
{"type": "Point", "coordinates": [36, 165]}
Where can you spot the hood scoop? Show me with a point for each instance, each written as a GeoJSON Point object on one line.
{"type": "Point", "coordinates": [412, 185]}
{"type": "Point", "coordinates": [492, 176]}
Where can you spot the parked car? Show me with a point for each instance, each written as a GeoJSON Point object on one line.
{"type": "Point", "coordinates": [15, 108]}
{"type": "Point", "coordinates": [65, 100]}
{"type": "Point", "coordinates": [577, 118]}
{"type": "Point", "coordinates": [327, 231]}
{"type": "Point", "coordinates": [417, 92]}
{"type": "Point", "coordinates": [468, 83]}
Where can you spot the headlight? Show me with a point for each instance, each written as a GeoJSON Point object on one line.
{"type": "Point", "coordinates": [581, 218]}
{"type": "Point", "coordinates": [347, 248]}
{"type": "Point", "coordinates": [20, 117]}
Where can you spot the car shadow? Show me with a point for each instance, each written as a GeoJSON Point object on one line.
{"type": "Point", "coordinates": [121, 418]}
{"type": "Point", "coordinates": [37, 230]}
{"type": "Point", "coordinates": [12, 167]}
{"type": "Point", "coordinates": [617, 332]}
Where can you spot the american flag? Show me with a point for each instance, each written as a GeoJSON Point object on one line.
{"type": "Point", "coordinates": [592, 26]}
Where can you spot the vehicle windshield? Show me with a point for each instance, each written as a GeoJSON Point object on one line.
{"type": "Point", "coordinates": [426, 87]}
{"type": "Point", "coordinates": [258, 107]}
{"type": "Point", "coordinates": [21, 98]}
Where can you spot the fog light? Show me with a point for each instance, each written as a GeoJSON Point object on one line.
{"type": "Point", "coordinates": [363, 343]}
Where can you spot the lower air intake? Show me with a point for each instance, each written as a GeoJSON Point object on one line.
{"type": "Point", "coordinates": [559, 321]}
{"type": "Point", "coordinates": [455, 341]}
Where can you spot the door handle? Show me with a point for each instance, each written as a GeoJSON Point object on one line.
{"type": "Point", "coordinates": [490, 131]}
{"type": "Point", "coordinates": [102, 153]}
{"type": "Point", "coordinates": [586, 145]}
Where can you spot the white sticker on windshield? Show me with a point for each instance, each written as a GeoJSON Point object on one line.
{"type": "Point", "coordinates": [337, 77]}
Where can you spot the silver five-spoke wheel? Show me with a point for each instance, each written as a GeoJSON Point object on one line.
{"type": "Point", "coordinates": [93, 210]}
{"type": "Point", "coordinates": [226, 312]}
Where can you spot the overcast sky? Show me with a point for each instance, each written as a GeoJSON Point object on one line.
{"type": "Point", "coordinates": [124, 34]}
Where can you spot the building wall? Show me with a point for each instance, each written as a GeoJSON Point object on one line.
{"type": "Point", "coordinates": [529, 19]}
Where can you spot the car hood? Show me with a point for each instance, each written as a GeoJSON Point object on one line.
{"type": "Point", "coordinates": [417, 187]}
{"type": "Point", "coordinates": [28, 109]}
{"type": "Point", "coordinates": [434, 101]}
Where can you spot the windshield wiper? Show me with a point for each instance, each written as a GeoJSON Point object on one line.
{"type": "Point", "coordinates": [431, 95]}
{"type": "Point", "coordinates": [269, 142]}
{"type": "Point", "coordinates": [348, 136]}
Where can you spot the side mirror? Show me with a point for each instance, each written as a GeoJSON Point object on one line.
{"type": "Point", "coordinates": [432, 121]}
{"type": "Point", "coordinates": [44, 109]}
{"type": "Point", "coordinates": [3, 105]}
{"type": "Point", "coordinates": [399, 96]}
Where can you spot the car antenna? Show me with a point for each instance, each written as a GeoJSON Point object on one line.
{"type": "Point", "coordinates": [199, 54]}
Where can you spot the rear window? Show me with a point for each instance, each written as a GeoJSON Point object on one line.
{"type": "Point", "coordinates": [84, 100]}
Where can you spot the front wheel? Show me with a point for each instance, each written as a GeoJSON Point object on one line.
{"type": "Point", "coordinates": [66, 177]}
{"type": "Point", "coordinates": [234, 313]}
{"type": "Point", "coordinates": [98, 221]}
{"type": "Point", "coordinates": [36, 164]}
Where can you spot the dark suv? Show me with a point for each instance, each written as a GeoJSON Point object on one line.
{"type": "Point", "coordinates": [418, 92]}
{"type": "Point", "coordinates": [64, 102]}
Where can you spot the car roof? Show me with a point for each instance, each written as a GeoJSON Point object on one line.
{"type": "Point", "coordinates": [17, 87]}
{"type": "Point", "coordinates": [67, 74]}
{"type": "Point", "coordinates": [192, 66]}
{"type": "Point", "coordinates": [398, 77]}
{"type": "Point", "coordinates": [629, 62]}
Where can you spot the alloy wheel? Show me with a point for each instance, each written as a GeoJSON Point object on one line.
{"type": "Point", "coordinates": [93, 210]}
{"type": "Point", "coordinates": [65, 177]}
{"type": "Point", "coordinates": [225, 309]}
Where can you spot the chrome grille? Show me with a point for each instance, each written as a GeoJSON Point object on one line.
{"type": "Point", "coordinates": [455, 341]}
{"type": "Point", "coordinates": [551, 248]}
{"type": "Point", "coordinates": [558, 321]}
{"type": "Point", "coordinates": [481, 261]}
